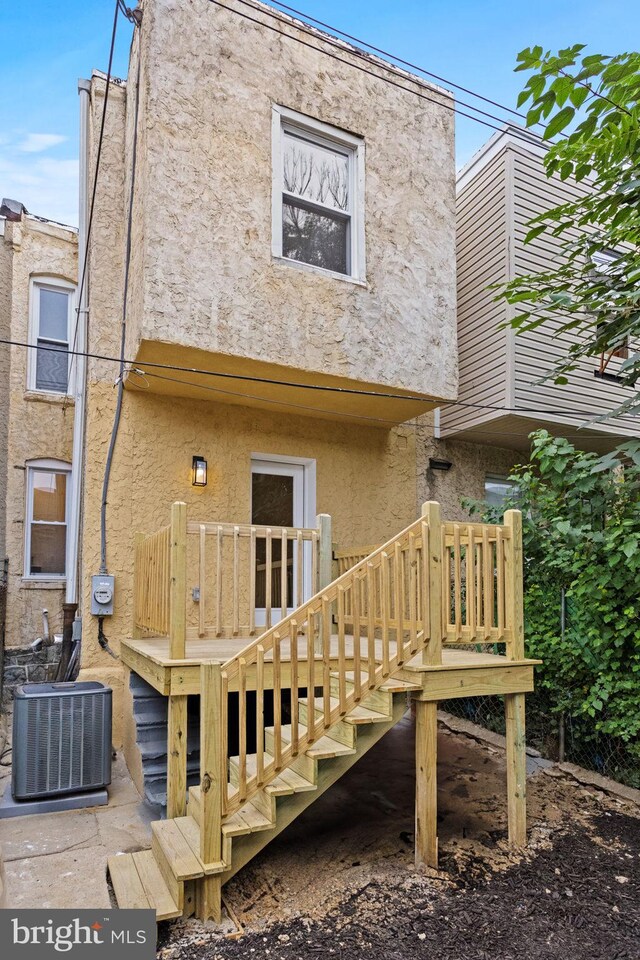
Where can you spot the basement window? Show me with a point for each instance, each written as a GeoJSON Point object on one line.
{"type": "Point", "coordinates": [497, 489]}
{"type": "Point", "coordinates": [318, 184]}
{"type": "Point", "coordinates": [51, 318]}
{"type": "Point", "coordinates": [48, 490]}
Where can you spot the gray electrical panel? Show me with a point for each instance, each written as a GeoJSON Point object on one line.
{"type": "Point", "coordinates": [61, 739]}
{"type": "Point", "coordinates": [102, 591]}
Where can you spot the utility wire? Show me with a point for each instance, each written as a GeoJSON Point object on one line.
{"type": "Point", "coordinates": [362, 56]}
{"type": "Point", "coordinates": [135, 367]}
{"type": "Point", "coordinates": [95, 178]}
{"type": "Point", "coordinates": [307, 18]}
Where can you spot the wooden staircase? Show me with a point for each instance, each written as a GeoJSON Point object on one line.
{"type": "Point", "coordinates": [165, 877]}
{"type": "Point", "coordinates": [352, 650]}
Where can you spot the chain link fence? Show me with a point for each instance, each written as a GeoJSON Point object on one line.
{"type": "Point", "coordinates": [557, 736]}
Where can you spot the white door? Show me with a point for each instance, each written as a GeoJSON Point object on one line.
{"type": "Point", "coordinates": [282, 495]}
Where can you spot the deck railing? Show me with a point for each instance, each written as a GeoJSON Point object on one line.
{"type": "Point", "coordinates": [210, 580]}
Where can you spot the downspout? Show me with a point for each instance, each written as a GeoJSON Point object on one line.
{"type": "Point", "coordinates": [79, 386]}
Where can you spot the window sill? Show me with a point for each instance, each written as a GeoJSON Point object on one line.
{"type": "Point", "coordinates": [57, 399]}
{"type": "Point", "coordinates": [31, 583]}
{"type": "Point", "coordinates": [319, 271]}
{"type": "Point", "coordinates": [610, 377]}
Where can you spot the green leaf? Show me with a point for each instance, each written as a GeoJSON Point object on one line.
{"type": "Point", "coordinates": [559, 122]}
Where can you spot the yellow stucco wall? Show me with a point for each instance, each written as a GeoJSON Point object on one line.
{"type": "Point", "coordinates": [36, 425]}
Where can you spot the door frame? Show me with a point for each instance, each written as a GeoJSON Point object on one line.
{"type": "Point", "coordinates": [308, 514]}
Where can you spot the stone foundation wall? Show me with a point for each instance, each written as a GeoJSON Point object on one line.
{"type": "Point", "coordinates": [24, 665]}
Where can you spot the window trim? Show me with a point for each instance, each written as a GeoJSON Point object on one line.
{"type": "Point", "coordinates": [58, 285]}
{"type": "Point", "coordinates": [44, 466]}
{"type": "Point", "coordinates": [324, 134]}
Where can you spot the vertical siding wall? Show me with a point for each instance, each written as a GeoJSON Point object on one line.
{"type": "Point", "coordinates": [537, 351]}
{"type": "Point", "coordinates": [482, 259]}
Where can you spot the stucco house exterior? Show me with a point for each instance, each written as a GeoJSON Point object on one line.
{"type": "Point", "coordinates": [38, 272]}
{"type": "Point", "coordinates": [244, 141]}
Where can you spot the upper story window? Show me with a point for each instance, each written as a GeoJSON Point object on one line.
{"type": "Point", "coordinates": [51, 324]}
{"type": "Point", "coordinates": [318, 195]}
{"type": "Point", "coordinates": [47, 509]}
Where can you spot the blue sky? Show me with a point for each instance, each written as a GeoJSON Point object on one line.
{"type": "Point", "coordinates": [48, 44]}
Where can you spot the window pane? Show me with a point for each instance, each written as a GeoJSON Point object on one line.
{"type": "Point", "coordinates": [272, 505]}
{"type": "Point", "coordinates": [497, 489]}
{"type": "Point", "coordinates": [49, 496]}
{"type": "Point", "coordinates": [315, 238]}
{"type": "Point", "coordinates": [52, 368]}
{"type": "Point", "coordinates": [54, 315]}
{"type": "Point", "coordinates": [48, 546]}
{"type": "Point", "coordinates": [316, 173]}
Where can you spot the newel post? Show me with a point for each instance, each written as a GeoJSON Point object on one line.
{"type": "Point", "coordinates": [212, 786]}
{"type": "Point", "coordinates": [432, 601]}
{"type": "Point", "coordinates": [178, 581]}
{"type": "Point", "coordinates": [514, 703]}
{"type": "Point", "coordinates": [325, 551]}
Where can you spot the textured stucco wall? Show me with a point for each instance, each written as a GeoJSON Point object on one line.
{"type": "Point", "coordinates": [38, 426]}
{"type": "Point", "coordinates": [470, 464]}
{"type": "Point", "coordinates": [209, 82]}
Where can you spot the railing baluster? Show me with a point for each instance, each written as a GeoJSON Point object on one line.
{"type": "Point", "coordinates": [299, 578]}
{"type": "Point", "coordinates": [326, 661]}
{"type": "Point", "coordinates": [252, 581]}
{"type": "Point", "coordinates": [457, 575]}
{"type": "Point", "coordinates": [314, 561]}
{"type": "Point", "coordinates": [284, 571]}
{"type": "Point", "coordinates": [371, 626]}
{"type": "Point", "coordinates": [224, 727]}
{"type": "Point", "coordinates": [384, 611]}
{"type": "Point", "coordinates": [311, 672]}
{"type": "Point", "coordinates": [471, 581]}
{"type": "Point", "coordinates": [242, 728]}
{"type": "Point", "coordinates": [219, 549]}
{"type": "Point", "coordinates": [500, 581]}
{"type": "Point", "coordinates": [277, 701]}
{"type": "Point", "coordinates": [202, 577]}
{"type": "Point", "coordinates": [269, 553]}
{"type": "Point", "coordinates": [355, 606]}
{"type": "Point", "coordinates": [342, 667]}
{"type": "Point", "coordinates": [487, 576]}
{"type": "Point", "coordinates": [413, 603]}
{"type": "Point", "coordinates": [260, 714]}
{"type": "Point", "coordinates": [479, 617]}
{"type": "Point", "coordinates": [293, 657]}
{"type": "Point", "coordinates": [398, 597]}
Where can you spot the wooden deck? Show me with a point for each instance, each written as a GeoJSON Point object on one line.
{"type": "Point", "coordinates": [462, 673]}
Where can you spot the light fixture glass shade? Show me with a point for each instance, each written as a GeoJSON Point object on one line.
{"type": "Point", "coordinates": [199, 472]}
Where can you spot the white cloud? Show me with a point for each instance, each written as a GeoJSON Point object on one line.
{"type": "Point", "coordinates": [37, 142]}
{"type": "Point", "coordinates": [48, 187]}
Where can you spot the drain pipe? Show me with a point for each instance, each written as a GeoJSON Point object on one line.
{"type": "Point", "coordinates": [70, 607]}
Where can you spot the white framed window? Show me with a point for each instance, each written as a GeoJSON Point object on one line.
{"type": "Point", "coordinates": [47, 512]}
{"type": "Point", "coordinates": [318, 195]}
{"type": "Point", "coordinates": [51, 323]}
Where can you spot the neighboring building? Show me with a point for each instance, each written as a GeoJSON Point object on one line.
{"type": "Point", "coordinates": [283, 231]}
{"type": "Point", "coordinates": [501, 188]}
{"type": "Point", "coordinates": [38, 272]}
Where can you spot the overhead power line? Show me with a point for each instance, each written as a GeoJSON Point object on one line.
{"type": "Point", "coordinates": [360, 55]}
{"type": "Point", "coordinates": [135, 367]}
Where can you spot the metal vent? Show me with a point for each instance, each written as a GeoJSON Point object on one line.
{"type": "Point", "coordinates": [62, 739]}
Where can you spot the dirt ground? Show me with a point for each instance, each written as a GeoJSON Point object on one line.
{"type": "Point", "coordinates": [340, 882]}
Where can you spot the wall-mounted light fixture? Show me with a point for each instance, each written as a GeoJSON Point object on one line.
{"type": "Point", "coordinates": [439, 464]}
{"type": "Point", "coordinates": [199, 472]}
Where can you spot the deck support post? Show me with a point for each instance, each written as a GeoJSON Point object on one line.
{"type": "Point", "coordinates": [213, 782]}
{"type": "Point", "coordinates": [432, 600]}
{"type": "Point", "coordinates": [178, 582]}
{"type": "Point", "coordinates": [426, 841]}
{"type": "Point", "coordinates": [176, 756]}
{"type": "Point", "coordinates": [514, 708]}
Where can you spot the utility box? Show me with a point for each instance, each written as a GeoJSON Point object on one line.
{"type": "Point", "coordinates": [61, 739]}
{"type": "Point", "coordinates": [102, 590]}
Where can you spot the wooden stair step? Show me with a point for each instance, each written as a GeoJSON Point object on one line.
{"type": "Point", "coordinates": [324, 748]}
{"type": "Point", "coordinates": [362, 714]}
{"type": "Point", "coordinates": [390, 685]}
{"type": "Point", "coordinates": [157, 892]}
{"type": "Point", "coordinates": [128, 887]}
{"type": "Point", "coordinates": [177, 848]}
{"type": "Point", "coordinates": [286, 783]}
